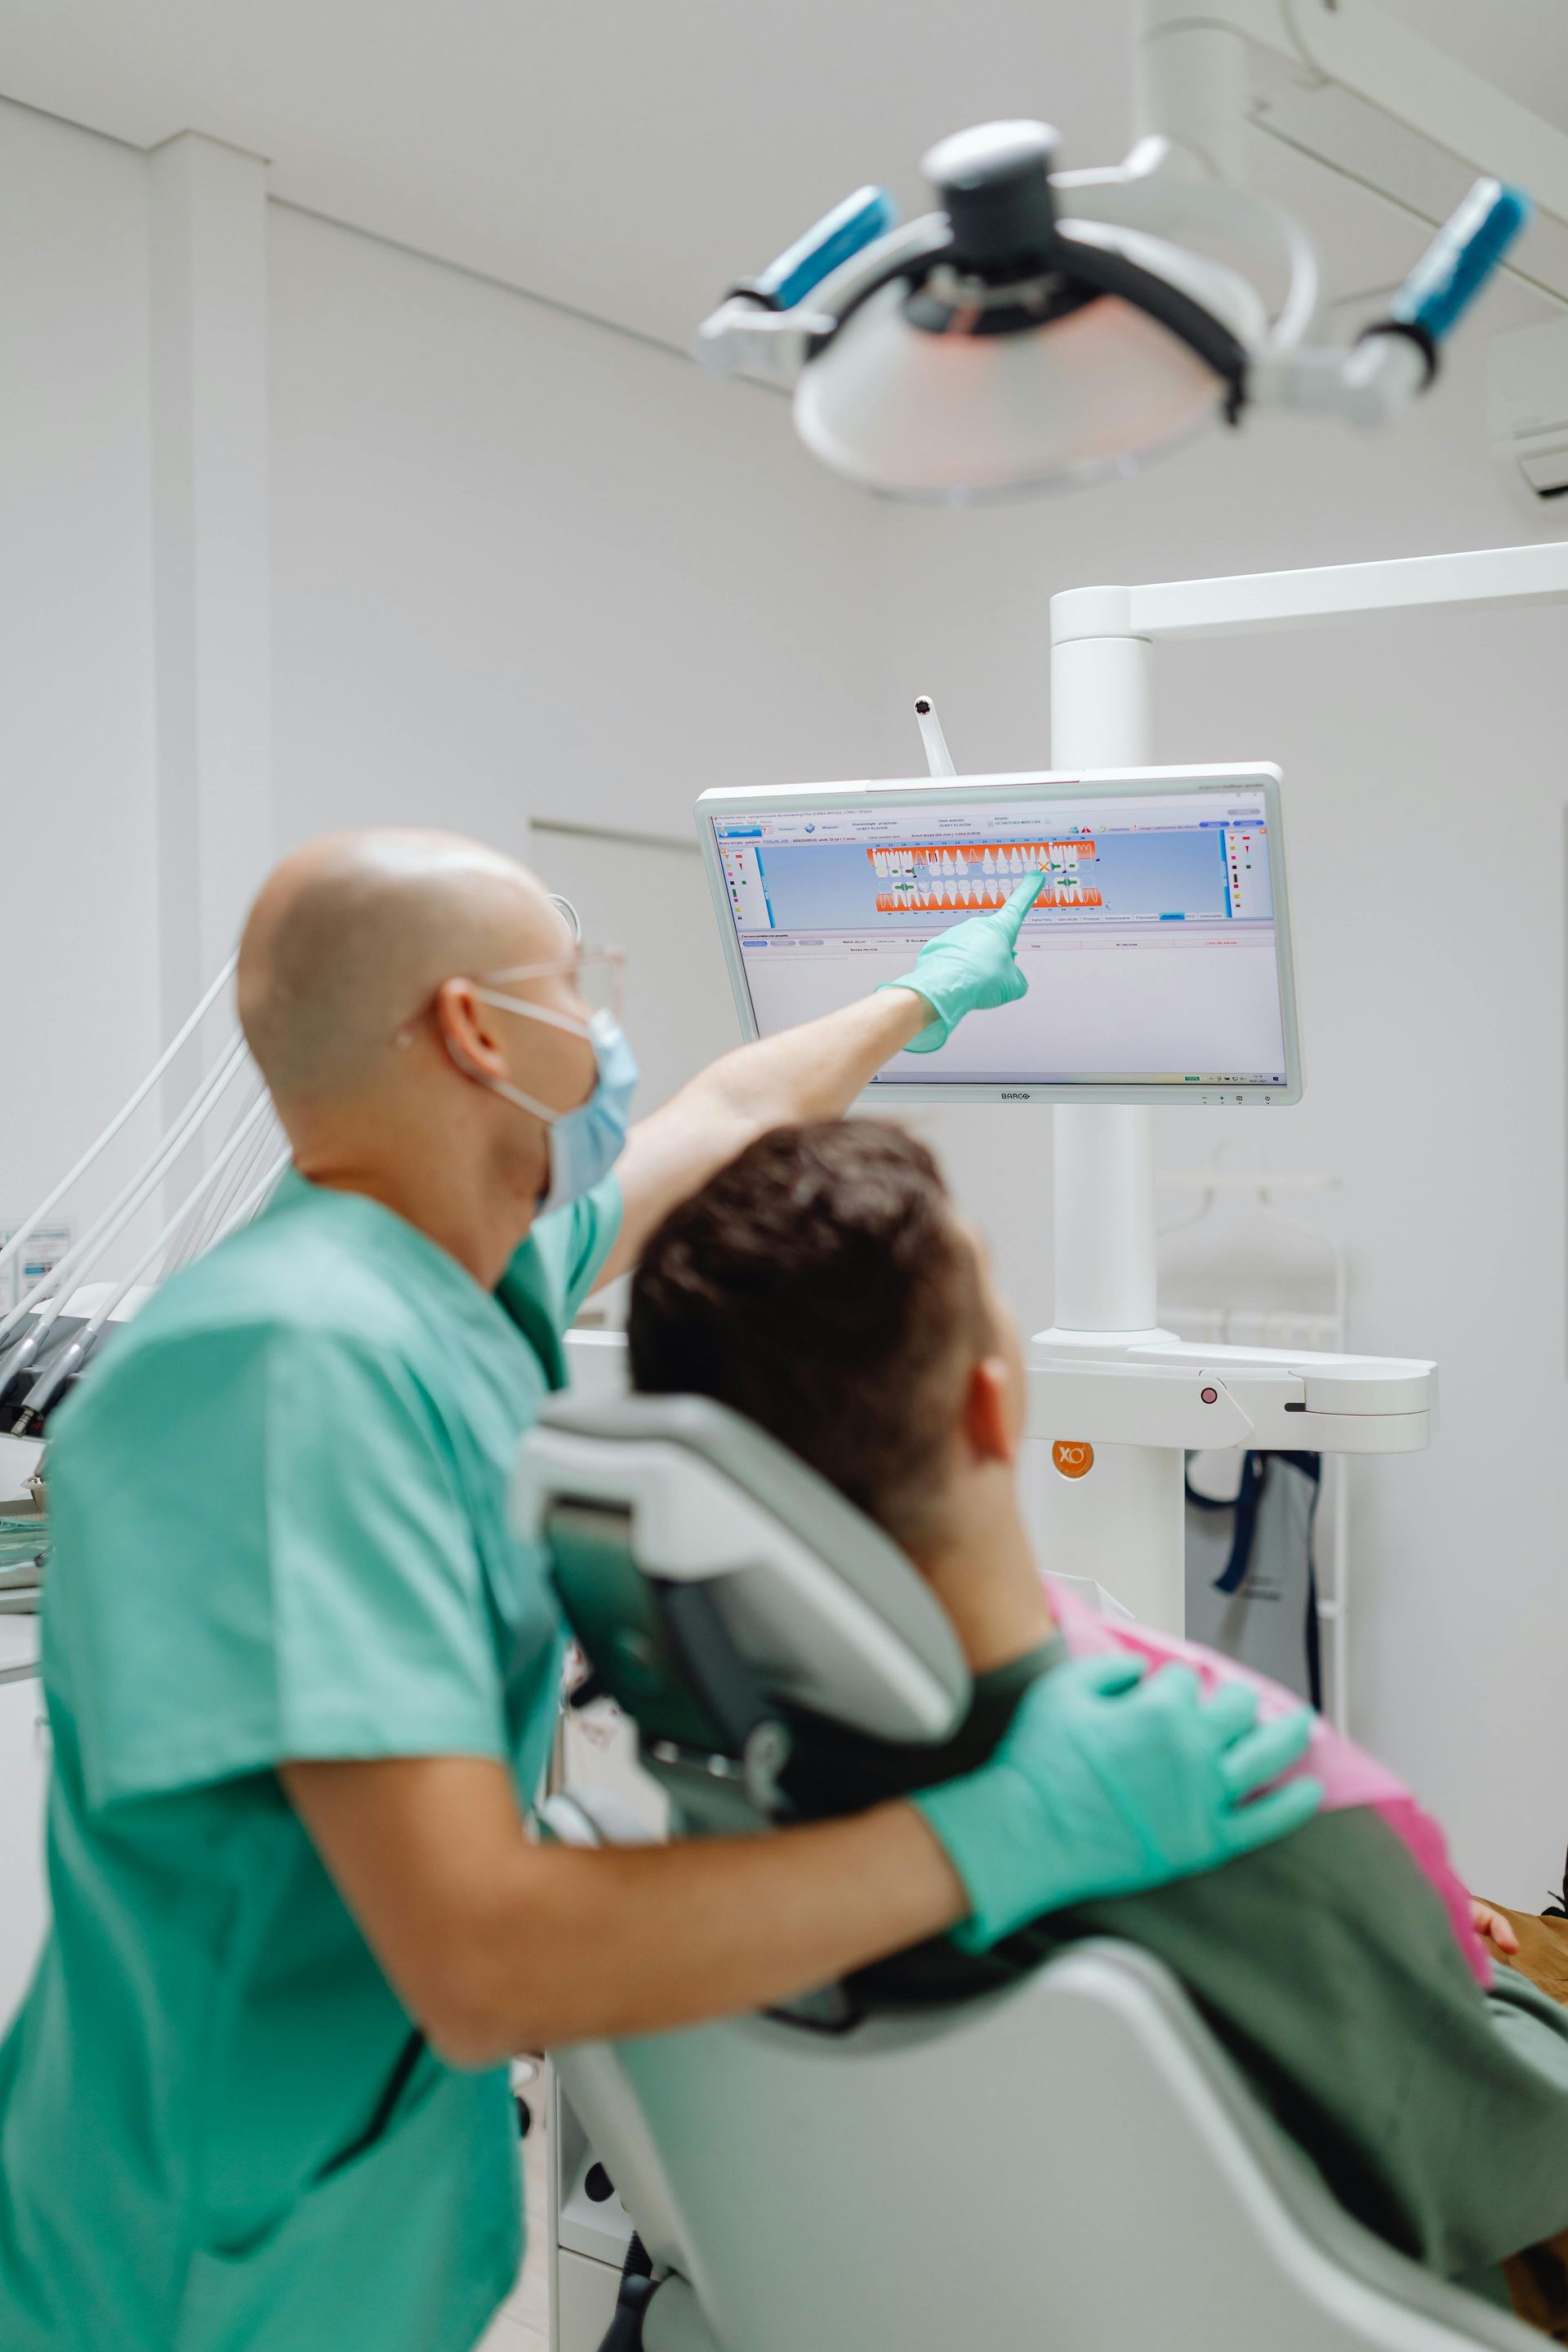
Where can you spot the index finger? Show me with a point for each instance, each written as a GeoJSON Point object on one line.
{"type": "Point", "coordinates": [1009, 919]}
{"type": "Point", "coordinates": [1275, 1815]}
{"type": "Point", "coordinates": [1266, 1752]}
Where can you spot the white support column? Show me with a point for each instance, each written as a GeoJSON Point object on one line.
{"type": "Point", "coordinates": [1104, 1223]}
{"type": "Point", "coordinates": [1100, 718]}
{"type": "Point", "coordinates": [1121, 1522]}
{"type": "Point", "coordinates": [210, 594]}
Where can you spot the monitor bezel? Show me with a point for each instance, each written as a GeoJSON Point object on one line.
{"type": "Point", "coordinates": [1038, 785]}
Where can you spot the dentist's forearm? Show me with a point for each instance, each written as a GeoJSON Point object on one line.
{"type": "Point", "coordinates": [495, 1944]}
{"type": "Point", "coordinates": [811, 1072]}
{"type": "Point", "coordinates": [814, 1071]}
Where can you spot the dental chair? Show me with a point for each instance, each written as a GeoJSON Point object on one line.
{"type": "Point", "coordinates": [1067, 2165]}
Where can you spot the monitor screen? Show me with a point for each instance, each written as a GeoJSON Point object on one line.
{"type": "Point", "coordinates": [1157, 950]}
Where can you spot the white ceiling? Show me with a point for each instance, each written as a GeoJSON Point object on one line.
{"type": "Point", "coordinates": [631, 158]}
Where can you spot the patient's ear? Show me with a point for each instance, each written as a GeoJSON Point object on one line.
{"type": "Point", "coordinates": [987, 1411]}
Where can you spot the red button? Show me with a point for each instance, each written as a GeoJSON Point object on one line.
{"type": "Point", "coordinates": [1209, 1396]}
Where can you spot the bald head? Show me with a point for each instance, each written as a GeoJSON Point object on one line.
{"type": "Point", "coordinates": [350, 938]}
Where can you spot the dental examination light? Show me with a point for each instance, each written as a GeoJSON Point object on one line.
{"type": "Point", "coordinates": [1043, 330]}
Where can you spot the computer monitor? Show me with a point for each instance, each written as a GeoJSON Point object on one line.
{"type": "Point", "coordinates": [1158, 950]}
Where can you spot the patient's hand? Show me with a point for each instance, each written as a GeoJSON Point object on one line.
{"type": "Point", "coordinates": [1492, 1926]}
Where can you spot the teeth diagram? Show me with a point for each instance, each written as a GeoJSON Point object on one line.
{"type": "Point", "coordinates": [981, 875]}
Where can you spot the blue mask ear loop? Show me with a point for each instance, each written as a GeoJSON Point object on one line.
{"type": "Point", "coordinates": [553, 1020]}
{"type": "Point", "coordinates": [541, 1111]}
{"type": "Point", "coordinates": [585, 1141]}
{"type": "Point", "coordinates": [504, 1088]}
{"type": "Point", "coordinates": [507, 1092]}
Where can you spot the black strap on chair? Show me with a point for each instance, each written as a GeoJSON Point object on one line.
{"type": "Point", "coordinates": [1558, 1907]}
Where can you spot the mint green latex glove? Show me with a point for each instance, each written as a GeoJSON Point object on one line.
{"type": "Point", "coordinates": [1108, 1781]}
{"type": "Point", "coordinates": [970, 968]}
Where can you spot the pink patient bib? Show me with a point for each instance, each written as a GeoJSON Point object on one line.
{"type": "Point", "coordinates": [1350, 1777]}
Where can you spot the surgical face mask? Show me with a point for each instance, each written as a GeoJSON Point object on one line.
{"type": "Point", "coordinates": [586, 1142]}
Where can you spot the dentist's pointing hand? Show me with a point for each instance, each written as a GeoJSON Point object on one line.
{"type": "Point", "coordinates": [970, 968]}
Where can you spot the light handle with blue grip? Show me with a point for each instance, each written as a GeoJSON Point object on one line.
{"type": "Point", "coordinates": [836, 238]}
{"type": "Point", "coordinates": [1460, 258]}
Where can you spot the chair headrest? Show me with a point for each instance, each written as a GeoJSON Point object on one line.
{"type": "Point", "coordinates": [825, 1609]}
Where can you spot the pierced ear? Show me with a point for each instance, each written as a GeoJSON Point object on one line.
{"type": "Point", "coordinates": [987, 1420]}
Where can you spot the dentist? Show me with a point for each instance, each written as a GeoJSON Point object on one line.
{"type": "Point", "coordinates": [303, 1679]}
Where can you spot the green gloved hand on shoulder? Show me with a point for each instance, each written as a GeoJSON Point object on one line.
{"type": "Point", "coordinates": [970, 968]}
{"type": "Point", "coordinates": [1108, 1781]}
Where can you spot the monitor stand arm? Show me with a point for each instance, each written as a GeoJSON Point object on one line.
{"type": "Point", "coordinates": [1114, 1401]}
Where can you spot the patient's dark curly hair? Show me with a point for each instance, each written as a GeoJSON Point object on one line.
{"type": "Point", "coordinates": [821, 1285]}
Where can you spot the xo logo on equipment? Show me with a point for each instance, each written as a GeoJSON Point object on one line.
{"type": "Point", "coordinates": [1072, 1457]}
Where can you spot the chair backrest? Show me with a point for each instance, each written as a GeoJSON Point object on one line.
{"type": "Point", "coordinates": [714, 1581]}
{"type": "Point", "coordinates": [1070, 2166]}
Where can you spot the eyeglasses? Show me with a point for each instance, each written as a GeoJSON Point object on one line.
{"type": "Point", "coordinates": [597, 974]}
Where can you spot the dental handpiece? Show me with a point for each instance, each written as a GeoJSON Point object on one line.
{"type": "Point", "coordinates": [53, 1288]}
{"type": "Point", "coordinates": [71, 1358]}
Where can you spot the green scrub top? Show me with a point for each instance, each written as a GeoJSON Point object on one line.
{"type": "Point", "coordinates": [278, 1507]}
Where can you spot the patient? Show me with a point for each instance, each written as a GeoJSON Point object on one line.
{"type": "Point", "coordinates": [822, 1285]}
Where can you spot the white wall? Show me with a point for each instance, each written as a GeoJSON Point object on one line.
{"type": "Point", "coordinates": [526, 566]}
{"type": "Point", "coordinates": [78, 975]}
{"type": "Point", "coordinates": [520, 565]}
{"type": "Point", "coordinates": [1424, 798]}
{"type": "Point", "coordinates": [78, 966]}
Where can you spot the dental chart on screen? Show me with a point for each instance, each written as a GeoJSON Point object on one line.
{"type": "Point", "coordinates": [1157, 948]}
